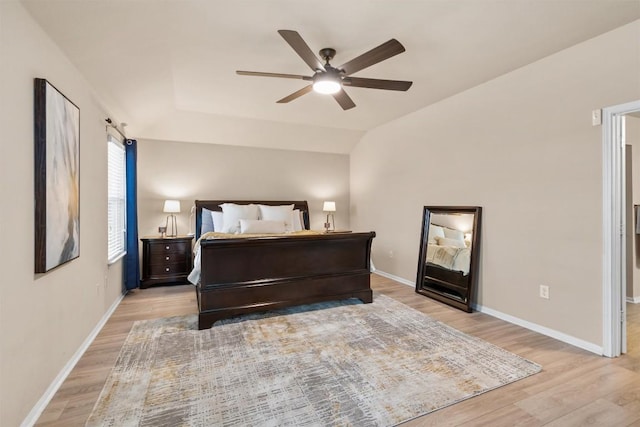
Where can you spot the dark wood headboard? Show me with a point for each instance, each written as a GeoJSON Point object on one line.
{"type": "Point", "coordinates": [214, 205]}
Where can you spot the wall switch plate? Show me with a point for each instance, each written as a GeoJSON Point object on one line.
{"type": "Point", "coordinates": [596, 117]}
{"type": "Point", "coordinates": [544, 291]}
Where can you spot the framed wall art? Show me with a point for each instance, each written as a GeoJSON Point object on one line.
{"type": "Point", "coordinates": [57, 177]}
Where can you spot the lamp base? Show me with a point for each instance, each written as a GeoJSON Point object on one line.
{"type": "Point", "coordinates": [171, 222]}
{"type": "Point", "coordinates": [330, 225]}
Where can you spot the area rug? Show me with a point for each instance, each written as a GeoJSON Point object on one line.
{"type": "Point", "coordinates": [341, 363]}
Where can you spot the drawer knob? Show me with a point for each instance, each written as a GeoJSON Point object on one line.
{"type": "Point", "coordinates": [166, 247]}
{"type": "Point", "coordinates": [166, 269]}
{"type": "Point", "coordinates": [166, 258]}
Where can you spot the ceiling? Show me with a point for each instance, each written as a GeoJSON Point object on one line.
{"type": "Point", "coordinates": [153, 61]}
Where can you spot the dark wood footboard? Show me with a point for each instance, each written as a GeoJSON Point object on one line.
{"type": "Point", "coordinates": [248, 275]}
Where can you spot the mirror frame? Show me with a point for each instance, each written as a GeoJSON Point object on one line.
{"type": "Point", "coordinates": [421, 279]}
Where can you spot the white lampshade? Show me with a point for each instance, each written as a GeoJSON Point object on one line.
{"type": "Point", "coordinates": [329, 207]}
{"type": "Point", "coordinates": [171, 206]}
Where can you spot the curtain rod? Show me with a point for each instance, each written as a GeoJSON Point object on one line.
{"type": "Point", "coordinates": [110, 124]}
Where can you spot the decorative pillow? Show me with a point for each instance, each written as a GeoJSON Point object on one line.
{"type": "Point", "coordinates": [218, 220]}
{"type": "Point", "coordinates": [248, 226]}
{"type": "Point", "coordinates": [233, 213]}
{"type": "Point", "coordinates": [297, 220]}
{"type": "Point", "coordinates": [450, 233]}
{"type": "Point", "coordinates": [445, 241]}
{"type": "Point", "coordinates": [435, 231]}
{"type": "Point", "coordinates": [207, 221]}
{"type": "Point", "coordinates": [278, 213]}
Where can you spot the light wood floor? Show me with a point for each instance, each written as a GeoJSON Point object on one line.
{"type": "Point", "coordinates": [575, 388]}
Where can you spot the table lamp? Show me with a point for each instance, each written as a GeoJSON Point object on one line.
{"type": "Point", "coordinates": [329, 207]}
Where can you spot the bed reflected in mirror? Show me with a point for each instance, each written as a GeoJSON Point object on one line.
{"type": "Point", "coordinates": [449, 253]}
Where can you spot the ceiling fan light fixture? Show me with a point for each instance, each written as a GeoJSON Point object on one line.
{"type": "Point", "coordinates": [326, 86]}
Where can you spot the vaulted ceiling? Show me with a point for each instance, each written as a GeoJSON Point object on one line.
{"type": "Point", "coordinates": [154, 62]}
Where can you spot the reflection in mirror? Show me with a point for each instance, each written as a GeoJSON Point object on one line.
{"type": "Point", "coordinates": [449, 251]}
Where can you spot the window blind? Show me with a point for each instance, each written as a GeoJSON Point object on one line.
{"type": "Point", "coordinates": [116, 199]}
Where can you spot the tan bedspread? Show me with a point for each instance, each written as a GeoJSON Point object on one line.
{"type": "Point", "coordinates": [216, 235]}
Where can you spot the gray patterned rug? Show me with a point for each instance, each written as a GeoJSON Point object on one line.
{"type": "Point", "coordinates": [324, 364]}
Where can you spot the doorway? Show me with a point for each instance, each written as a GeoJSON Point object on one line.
{"type": "Point", "coordinates": [614, 228]}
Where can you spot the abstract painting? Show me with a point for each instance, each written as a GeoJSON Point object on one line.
{"type": "Point", "coordinates": [57, 177]}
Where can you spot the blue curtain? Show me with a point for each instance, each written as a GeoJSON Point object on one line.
{"type": "Point", "coordinates": [131, 260]}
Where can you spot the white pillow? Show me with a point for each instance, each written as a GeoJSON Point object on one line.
{"type": "Point", "coordinates": [297, 220]}
{"type": "Point", "coordinates": [435, 231]}
{"type": "Point", "coordinates": [445, 241]}
{"type": "Point", "coordinates": [261, 226]}
{"type": "Point", "coordinates": [450, 233]}
{"type": "Point", "coordinates": [218, 220]}
{"type": "Point", "coordinates": [278, 213]}
{"type": "Point", "coordinates": [233, 213]}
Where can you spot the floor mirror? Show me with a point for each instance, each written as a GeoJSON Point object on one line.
{"type": "Point", "coordinates": [449, 254]}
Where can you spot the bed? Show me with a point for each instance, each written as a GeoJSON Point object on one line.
{"type": "Point", "coordinates": [245, 274]}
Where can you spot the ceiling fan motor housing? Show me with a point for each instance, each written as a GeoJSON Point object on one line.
{"type": "Point", "coordinates": [330, 73]}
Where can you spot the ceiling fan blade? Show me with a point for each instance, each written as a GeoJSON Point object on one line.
{"type": "Point", "coordinates": [296, 94]}
{"type": "Point", "coordinates": [375, 55]}
{"type": "Point", "coordinates": [344, 100]}
{"type": "Point", "coordinates": [302, 49]}
{"type": "Point", "coordinates": [377, 83]}
{"type": "Point", "coordinates": [284, 76]}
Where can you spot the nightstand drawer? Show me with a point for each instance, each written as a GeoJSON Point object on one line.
{"type": "Point", "coordinates": [167, 269]}
{"type": "Point", "coordinates": [167, 258]}
{"type": "Point", "coordinates": [168, 247]}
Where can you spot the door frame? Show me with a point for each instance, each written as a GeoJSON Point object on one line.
{"type": "Point", "coordinates": [614, 228]}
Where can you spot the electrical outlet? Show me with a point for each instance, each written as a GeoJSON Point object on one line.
{"type": "Point", "coordinates": [390, 254]}
{"type": "Point", "coordinates": [544, 291]}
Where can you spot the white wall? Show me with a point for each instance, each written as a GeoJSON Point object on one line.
{"type": "Point", "coordinates": [190, 171]}
{"type": "Point", "coordinates": [216, 129]}
{"type": "Point", "coordinates": [45, 318]}
{"type": "Point", "coordinates": [522, 147]}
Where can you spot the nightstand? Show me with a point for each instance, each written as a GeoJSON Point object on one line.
{"type": "Point", "coordinates": [165, 260]}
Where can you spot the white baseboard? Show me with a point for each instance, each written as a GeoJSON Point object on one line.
{"type": "Point", "coordinates": [37, 410]}
{"type": "Point", "coordinates": [560, 336]}
{"type": "Point", "coordinates": [633, 300]}
{"type": "Point", "coordinates": [396, 278]}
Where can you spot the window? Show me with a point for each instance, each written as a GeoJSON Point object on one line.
{"type": "Point", "coordinates": [117, 199]}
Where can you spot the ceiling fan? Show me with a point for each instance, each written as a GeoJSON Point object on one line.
{"type": "Point", "coordinates": [330, 80]}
